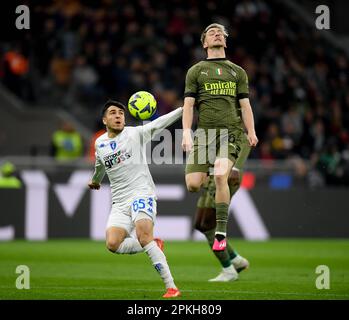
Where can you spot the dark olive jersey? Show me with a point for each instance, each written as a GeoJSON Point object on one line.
{"type": "Point", "coordinates": [217, 86]}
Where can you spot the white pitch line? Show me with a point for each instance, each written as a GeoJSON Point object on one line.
{"type": "Point", "coordinates": [188, 290]}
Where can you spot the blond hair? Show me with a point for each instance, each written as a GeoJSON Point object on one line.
{"type": "Point", "coordinates": [213, 25]}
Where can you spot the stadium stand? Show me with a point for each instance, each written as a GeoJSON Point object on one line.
{"type": "Point", "coordinates": [78, 53]}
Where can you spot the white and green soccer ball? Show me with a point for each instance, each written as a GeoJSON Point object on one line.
{"type": "Point", "coordinates": [142, 105]}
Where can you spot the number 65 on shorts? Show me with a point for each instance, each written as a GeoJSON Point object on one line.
{"type": "Point", "coordinates": [143, 204]}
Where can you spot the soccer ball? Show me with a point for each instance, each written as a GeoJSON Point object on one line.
{"type": "Point", "coordinates": [142, 105]}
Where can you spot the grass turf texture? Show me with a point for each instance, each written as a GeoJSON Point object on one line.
{"type": "Point", "coordinates": [82, 269]}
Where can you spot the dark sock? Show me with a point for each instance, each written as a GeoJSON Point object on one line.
{"type": "Point", "coordinates": [221, 217]}
{"type": "Point", "coordinates": [233, 187]}
{"type": "Point", "coordinates": [232, 253]}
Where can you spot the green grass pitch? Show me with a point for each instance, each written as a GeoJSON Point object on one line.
{"type": "Point", "coordinates": [82, 269]}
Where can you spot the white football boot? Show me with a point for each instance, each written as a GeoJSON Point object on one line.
{"type": "Point", "coordinates": [240, 263]}
{"type": "Point", "coordinates": [227, 274]}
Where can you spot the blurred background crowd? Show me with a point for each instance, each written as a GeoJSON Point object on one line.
{"type": "Point", "coordinates": [78, 53]}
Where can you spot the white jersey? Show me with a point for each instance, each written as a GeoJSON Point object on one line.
{"type": "Point", "coordinates": [123, 159]}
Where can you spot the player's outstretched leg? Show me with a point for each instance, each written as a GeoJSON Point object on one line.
{"type": "Point", "coordinates": [117, 241]}
{"type": "Point", "coordinates": [222, 169]}
{"type": "Point", "coordinates": [234, 181]}
{"type": "Point", "coordinates": [144, 230]}
{"type": "Point", "coordinates": [160, 243]}
{"type": "Point", "coordinates": [238, 262]}
{"type": "Point", "coordinates": [205, 221]}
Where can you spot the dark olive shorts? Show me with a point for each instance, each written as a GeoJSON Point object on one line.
{"type": "Point", "coordinates": [212, 144]}
{"type": "Point", "coordinates": [207, 198]}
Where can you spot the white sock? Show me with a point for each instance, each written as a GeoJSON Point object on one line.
{"type": "Point", "coordinates": [229, 269]}
{"type": "Point", "coordinates": [237, 258]}
{"type": "Point", "coordinates": [222, 233]}
{"type": "Point", "coordinates": [160, 264]}
{"type": "Point", "coordinates": [130, 246]}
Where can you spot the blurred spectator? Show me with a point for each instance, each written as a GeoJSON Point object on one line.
{"type": "Point", "coordinates": [61, 71]}
{"type": "Point", "coordinates": [66, 143]}
{"type": "Point", "coordinates": [100, 129]}
{"type": "Point", "coordinates": [8, 179]}
{"type": "Point", "coordinates": [265, 153]}
{"type": "Point", "coordinates": [292, 126]}
{"type": "Point", "coordinates": [275, 141]}
{"type": "Point", "coordinates": [246, 9]}
{"type": "Point", "coordinates": [84, 75]}
{"type": "Point", "coordinates": [328, 164]}
{"type": "Point", "coordinates": [318, 135]}
{"type": "Point", "coordinates": [16, 68]}
{"type": "Point", "coordinates": [85, 82]}
{"type": "Point", "coordinates": [17, 63]}
{"type": "Point", "coordinates": [81, 52]}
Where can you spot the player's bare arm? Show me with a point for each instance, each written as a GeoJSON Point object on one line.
{"type": "Point", "coordinates": [188, 112]}
{"type": "Point", "coordinates": [247, 117]}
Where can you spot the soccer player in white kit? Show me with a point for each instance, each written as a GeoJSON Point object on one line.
{"type": "Point", "coordinates": [120, 154]}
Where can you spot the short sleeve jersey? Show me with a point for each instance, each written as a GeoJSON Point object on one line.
{"type": "Point", "coordinates": [217, 86]}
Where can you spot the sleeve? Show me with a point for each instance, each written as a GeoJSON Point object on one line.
{"type": "Point", "coordinates": [99, 170]}
{"type": "Point", "coordinates": [191, 84]}
{"type": "Point", "coordinates": [148, 131]}
{"type": "Point", "coordinates": [242, 85]}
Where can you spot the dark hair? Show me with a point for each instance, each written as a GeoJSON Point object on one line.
{"type": "Point", "coordinates": [110, 103]}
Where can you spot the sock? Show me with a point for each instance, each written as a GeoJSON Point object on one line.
{"type": "Point", "coordinates": [222, 256]}
{"type": "Point", "coordinates": [130, 246]}
{"type": "Point", "coordinates": [222, 218]}
{"type": "Point", "coordinates": [233, 187]}
{"type": "Point", "coordinates": [229, 269]}
{"type": "Point", "coordinates": [232, 253]}
{"type": "Point", "coordinates": [160, 264]}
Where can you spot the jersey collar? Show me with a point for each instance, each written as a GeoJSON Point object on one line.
{"type": "Point", "coordinates": [216, 59]}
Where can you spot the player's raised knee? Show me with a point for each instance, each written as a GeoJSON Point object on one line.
{"type": "Point", "coordinates": [220, 180]}
{"type": "Point", "coordinates": [144, 239]}
{"type": "Point", "coordinates": [205, 219]}
{"type": "Point", "coordinates": [222, 168]}
{"type": "Point", "coordinates": [193, 187]}
{"type": "Point", "coordinates": [234, 177]}
{"type": "Point", "coordinates": [112, 245]}
{"type": "Point", "coordinates": [194, 181]}
{"type": "Point", "coordinates": [201, 226]}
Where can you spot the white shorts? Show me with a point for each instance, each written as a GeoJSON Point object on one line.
{"type": "Point", "coordinates": [125, 215]}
